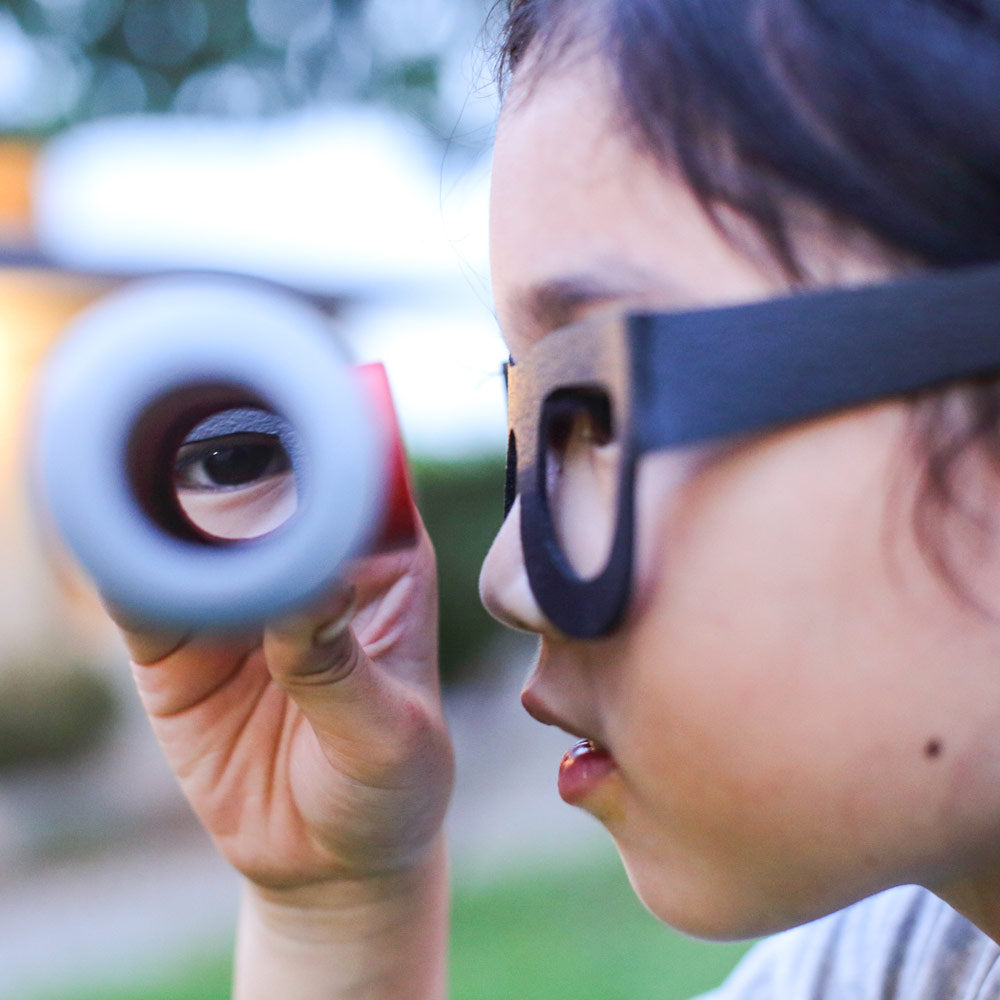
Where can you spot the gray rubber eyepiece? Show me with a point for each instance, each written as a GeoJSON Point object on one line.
{"type": "Point", "coordinates": [134, 374]}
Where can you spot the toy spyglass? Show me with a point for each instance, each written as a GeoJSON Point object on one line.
{"type": "Point", "coordinates": [587, 401]}
{"type": "Point", "coordinates": [210, 456]}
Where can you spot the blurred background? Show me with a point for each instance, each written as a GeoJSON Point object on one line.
{"type": "Point", "coordinates": [341, 148]}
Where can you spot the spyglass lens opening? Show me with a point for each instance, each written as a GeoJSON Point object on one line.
{"type": "Point", "coordinates": [582, 471]}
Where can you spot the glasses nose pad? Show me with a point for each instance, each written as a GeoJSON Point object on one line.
{"type": "Point", "coordinates": [503, 581]}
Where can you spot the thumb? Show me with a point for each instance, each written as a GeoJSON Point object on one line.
{"type": "Point", "coordinates": [349, 700]}
{"type": "Point", "coordinates": [317, 647]}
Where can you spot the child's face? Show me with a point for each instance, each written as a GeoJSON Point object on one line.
{"type": "Point", "coordinates": [798, 709]}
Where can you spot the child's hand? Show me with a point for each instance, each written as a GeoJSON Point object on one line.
{"type": "Point", "coordinates": [314, 753]}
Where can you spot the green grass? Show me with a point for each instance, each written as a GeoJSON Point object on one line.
{"type": "Point", "coordinates": [577, 934]}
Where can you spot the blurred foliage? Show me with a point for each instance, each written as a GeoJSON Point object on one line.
{"type": "Point", "coordinates": [67, 60]}
{"type": "Point", "coordinates": [462, 506]}
{"type": "Point", "coordinates": [578, 932]}
{"type": "Point", "coordinates": [51, 714]}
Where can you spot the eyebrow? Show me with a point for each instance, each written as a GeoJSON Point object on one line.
{"type": "Point", "coordinates": [557, 302]}
{"type": "Point", "coordinates": [552, 304]}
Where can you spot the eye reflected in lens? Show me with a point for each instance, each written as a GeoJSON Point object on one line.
{"type": "Point", "coordinates": [237, 485]}
{"type": "Point", "coordinates": [582, 472]}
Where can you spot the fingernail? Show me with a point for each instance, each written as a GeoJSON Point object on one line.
{"type": "Point", "coordinates": [330, 631]}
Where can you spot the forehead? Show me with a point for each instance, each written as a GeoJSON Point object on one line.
{"type": "Point", "coordinates": [581, 219]}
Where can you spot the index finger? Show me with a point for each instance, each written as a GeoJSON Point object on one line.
{"type": "Point", "coordinates": [146, 643]}
{"type": "Point", "coordinates": [176, 669]}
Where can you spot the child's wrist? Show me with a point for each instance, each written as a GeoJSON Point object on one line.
{"type": "Point", "coordinates": [324, 908]}
{"type": "Point", "coordinates": [382, 936]}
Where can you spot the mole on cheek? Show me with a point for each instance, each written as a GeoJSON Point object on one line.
{"type": "Point", "coordinates": [933, 748]}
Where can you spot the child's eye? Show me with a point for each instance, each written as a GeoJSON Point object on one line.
{"type": "Point", "coordinates": [231, 462]}
{"type": "Point", "coordinates": [581, 466]}
{"type": "Point", "coordinates": [236, 486]}
{"type": "Point", "coordinates": [577, 424]}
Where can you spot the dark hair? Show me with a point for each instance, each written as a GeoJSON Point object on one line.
{"type": "Point", "coordinates": [885, 115]}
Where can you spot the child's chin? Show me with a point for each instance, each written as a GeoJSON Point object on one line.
{"type": "Point", "coordinates": [714, 912]}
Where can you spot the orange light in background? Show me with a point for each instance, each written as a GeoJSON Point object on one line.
{"type": "Point", "coordinates": [34, 307]}
{"type": "Point", "coordinates": [17, 161]}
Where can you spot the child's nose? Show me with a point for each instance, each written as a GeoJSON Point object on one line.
{"type": "Point", "coordinates": [503, 581]}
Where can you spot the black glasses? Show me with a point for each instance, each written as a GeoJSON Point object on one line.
{"type": "Point", "coordinates": [586, 401]}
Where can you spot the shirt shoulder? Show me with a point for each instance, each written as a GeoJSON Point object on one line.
{"type": "Point", "coordinates": [904, 944]}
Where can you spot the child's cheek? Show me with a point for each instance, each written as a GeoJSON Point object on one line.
{"type": "Point", "coordinates": [664, 499]}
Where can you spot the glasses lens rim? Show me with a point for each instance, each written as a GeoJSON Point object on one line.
{"type": "Point", "coordinates": [594, 355]}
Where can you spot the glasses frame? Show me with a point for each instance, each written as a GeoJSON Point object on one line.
{"type": "Point", "coordinates": [675, 379]}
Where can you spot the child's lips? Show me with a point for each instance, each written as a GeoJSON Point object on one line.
{"type": "Point", "coordinates": [585, 767]}
{"type": "Point", "coordinates": [582, 770]}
